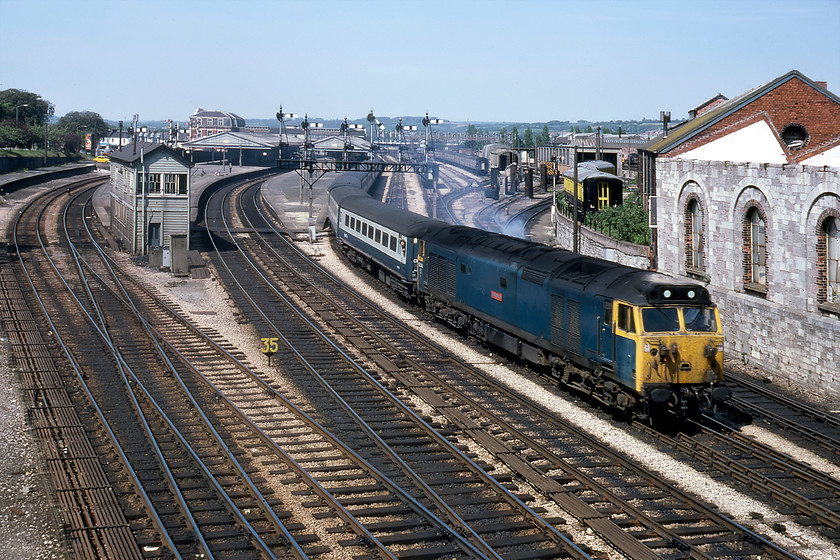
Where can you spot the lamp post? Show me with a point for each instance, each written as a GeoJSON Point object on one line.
{"type": "Point", "coordinates": [16, 110]}
{"type": "Point", "coordinates": [46, 126]}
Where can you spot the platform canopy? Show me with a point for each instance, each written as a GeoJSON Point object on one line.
{"type": "Point", "coordinates": [234, 140]}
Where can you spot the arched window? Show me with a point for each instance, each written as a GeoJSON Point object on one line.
{"type": "Point", "coordinates": [832, 253]}
{"type": "Point", "coordinates": [756, 253]}
{"type": "Point", "coordinates": [694, 236]}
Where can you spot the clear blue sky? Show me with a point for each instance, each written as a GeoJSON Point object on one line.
{"type": "Point", "coordinates": [491, 60]}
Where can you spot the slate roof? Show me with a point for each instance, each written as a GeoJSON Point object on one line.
{"type": "Point", "coordinates": [688, 129]}
{"type": "Point", "coordinates": [130, 153]}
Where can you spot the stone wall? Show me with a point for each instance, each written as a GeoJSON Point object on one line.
{"type": "Point", "coordinates": [782, 327]}
{"type": "Point", "coordinates": [595, 244]}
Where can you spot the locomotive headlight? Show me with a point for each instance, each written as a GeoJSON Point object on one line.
{"type": "Point", "coordinates": [720, 347]}
{"type": "Point", "coordinates": [710, 351]}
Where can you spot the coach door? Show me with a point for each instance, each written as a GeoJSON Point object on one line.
{"type": "Point", "coordinates": [606, 335]}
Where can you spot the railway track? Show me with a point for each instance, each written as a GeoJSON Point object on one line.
{"type": "Point", "coordinates": [796, 419]}
{"type": "Point", "coordinates": [710, 533]}
{"type": "Point", "coordinates": [186, 492]}
{"type": "Point", "coordinates": [223, 451]}
{"type": "Point", "coordinates": [358, 407]}
{"type": "Point", "coordinates": [370, 458]}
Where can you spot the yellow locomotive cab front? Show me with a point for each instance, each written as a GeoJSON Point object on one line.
{"type": "Point", "coordinates": [681, 351]}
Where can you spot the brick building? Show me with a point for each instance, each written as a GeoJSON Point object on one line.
{"type": "Point", "coordinates": [204, 123]}
{"type": "Point", "coordinates": [747, 200]}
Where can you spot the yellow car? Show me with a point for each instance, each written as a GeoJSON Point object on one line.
{"type": "Point", "coordinates": [101, 159]}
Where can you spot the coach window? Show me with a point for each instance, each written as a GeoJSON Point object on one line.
{"type": "Point", "coordinates": [377, 235]}
{"type": "Point", "coordinates": [393, 243]}
{"type": "Point", "coordinates": [603, 195]}
{"type": "Point", "coordinates": [347, 220]}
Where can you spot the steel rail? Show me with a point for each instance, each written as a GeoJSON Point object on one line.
{"type": "Point", "coordinates": [483, 549]}
{"type": "Point", "coordinates": [511, 498]}
{"type": "Point", "coordinates": [748, 534]}
{"type": "Point", "coordinates": [80, 377]}
{"type": "Point", "coordinates": [242, 472]}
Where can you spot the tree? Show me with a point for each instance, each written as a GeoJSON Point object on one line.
{"type": "Point", "coordinates": [35, 110]}
{"type": "Point", "coordinates": [12, 135]}
{"type": "Point", "coordinates": [545, 136]}
{"type": "Point", "coordinates": [471, 132]}
{"type": "Point", "coordinates": [627, 221]}
{"type": "Point", "coordinates": [74, 125]}
{"type": "Point", "coordinates": [528, 138]}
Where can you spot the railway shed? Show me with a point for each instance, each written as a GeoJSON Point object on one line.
{"type": "Point", "coordinates": [235, 148]}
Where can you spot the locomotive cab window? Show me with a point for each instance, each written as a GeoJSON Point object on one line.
{"type": "Point", "coordinates": [626, 322]}
{"type": "Point", "coordinates": [660, 319]}
{"type": "Point", "coordinates": [608, 308]}
{"type": "Point", "coordinates": [700, 319]}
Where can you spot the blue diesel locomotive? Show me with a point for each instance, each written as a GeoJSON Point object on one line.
{"type": "Point", "coordinates": [636, 340]}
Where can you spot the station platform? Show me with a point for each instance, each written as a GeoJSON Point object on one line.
{"type": "Point", "coordinates": [291, 202]}
{"type": "Point", "coordinates": [284, 195]}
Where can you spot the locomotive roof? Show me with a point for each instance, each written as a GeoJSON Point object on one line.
{"type": "Point", "coordinates": [590, 274]}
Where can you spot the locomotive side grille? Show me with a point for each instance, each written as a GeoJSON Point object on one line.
{"type": "Point", "coordinates": [450, 277]}
{"type": "Point", "coordinates": [441, 274]}
{"type": "Point", "coordinates": [573, 333]}
{"type": "Point", "coordinates": [534, 276]}
{"type": "Point", "coordinates": [558, 333]}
